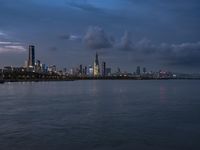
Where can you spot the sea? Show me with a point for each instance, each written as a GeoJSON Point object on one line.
{"type": "Point", "coordinates": [100, 115]}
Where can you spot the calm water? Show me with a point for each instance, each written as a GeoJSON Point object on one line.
{"type": "Point", "coordinates": [100, 115]}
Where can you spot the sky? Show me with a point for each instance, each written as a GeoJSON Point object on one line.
{"type": "Point", "coordinates": [156, 34]}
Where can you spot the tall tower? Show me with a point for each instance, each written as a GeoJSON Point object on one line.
{"type": "Point", "coordinates": [31, 56]}
{"type": "Point", "coordinates": [138, 70]}
{"type": "Point", "coordinates": [103, 69]}
{"type": "Point", "coordinates": [96, 66]}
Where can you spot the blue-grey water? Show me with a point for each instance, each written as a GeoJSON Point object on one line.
{"type": "Point", "coordinates": [100, 115]}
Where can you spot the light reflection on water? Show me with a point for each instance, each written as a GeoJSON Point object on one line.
{"type": "Point", "coordinates": [163, 96]}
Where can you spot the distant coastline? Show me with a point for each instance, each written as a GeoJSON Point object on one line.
{"type": "Point", "coordinates": [90, 78]}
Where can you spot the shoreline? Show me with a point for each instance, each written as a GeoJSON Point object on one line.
{"type": "Point", "coordinates": [90, 78]}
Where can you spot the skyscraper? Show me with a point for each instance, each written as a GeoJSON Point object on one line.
{"type": "Point", "coordinates": [144, 70]}
{"type": "Point", "coordinates": [108, 71]}
{"type": "Point", "coordinates": [38, 66]}
{"type": "Point", "coordinates": [96, 66]}
{"type": "Point", "coordinates": [85, 70]}
{"type": "Point", "coordinates": [138, 70]}
{"type": "Point", "coordinates": [103, 69]}
{"type": "Point", "coordinates": [80, 69]}
{"type": "Point", "coordinates": [90, 71]}
{"type": "Point", "coordinates": [31, 56]}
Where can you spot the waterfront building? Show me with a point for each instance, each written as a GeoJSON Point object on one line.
{"type": "Point", "coordinates": [71, 71]}
{"type": "Point", "coordinates": [108, 72]}
{"type": "Point", "coordinates": [43, 68]}
{"type": "Point", "coordinates": [90, 71]}
{"type": "Point", "coordinates": [37, 66]}
{"type": "Point", "coordinates": [144, 70]}
{"type": "Point", "coordinates": [8, 69]}
{"type": "Point", "coordinates": [138, 70]}
{"type": "Point", "coordinates": [74, 71]}
{"type": "Point", "coordinates": [26, 64]}
{"type": "Point", "coordinates": [52, 68]}
{"type": "Point", "coordinates": [65, 70]}
{"type": "Point", "coordinates": [85, 70]}
{"type": "Point", "coordinates": [96, 67]}
{"type": "Point", "coordinates": [118, 70]}
{"type": "Point", "coordinates": [103, 71]}
{"type": "Point", "coordinates": [80, 69]}
{"type": "Point", "coordinates": [31, 56]}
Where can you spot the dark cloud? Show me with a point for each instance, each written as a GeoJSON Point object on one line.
{"type": "Point", "coordinates": [184, 54]}
{"type": "Point", "coordinates": [96, 38]}
{"type": "Point", "coordinates": [142, 46]}
{"type": "Point", "coordinates": [126, 43]}
{"type": "Point", "coordinates": [145, 46]}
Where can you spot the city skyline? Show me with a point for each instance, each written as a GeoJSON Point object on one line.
{"type": "Point", "coordinates": [126, 33]}
{"type": "Point", "coordinates": [97, 69]}
{"type": "Point", "coordinates": [35, 70]}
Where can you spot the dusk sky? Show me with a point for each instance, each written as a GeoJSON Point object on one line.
{"type": "Point", "coordinates": [157, 34]}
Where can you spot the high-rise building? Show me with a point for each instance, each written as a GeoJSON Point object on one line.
{"type": "Point", "coordinates": [103, 69]}
{"type": "Point", "coordinates": [108, 72]}
{"type": "Point", "coordinates": [52, 68]}
{"type": "Point", "coordinates": [43, 68]}
{"type": "Point", "coordinates": [118, 70]}
{"type": "Point", "coordinates": [144, 70]}
{"type": "Point", "coordinates": [31, 56]}
{"type": "Point", "coordinates": [80, 69]}
{"type": "Point", "coordinates": [85, 70]}
{"type": "Point", "coordinates": [38, 66]}
{"type": "Point", "coordinates": [90, 70]}
{"type": "Point", "coordinates": [26, 64]}
{"type": "Point", "coordinates": [138, 70]}
{"type": "Point", "coordinates": [96, 67]}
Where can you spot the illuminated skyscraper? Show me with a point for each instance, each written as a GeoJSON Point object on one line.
{"type": "Point", "coordinates": [31, 56]}
{"type": "Point", "coordinates": [90, 71]}
{"type": "Point", "coordinates": [96, 66]}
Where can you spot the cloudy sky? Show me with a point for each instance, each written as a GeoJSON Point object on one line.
{"type": "Point", "coordinates": [157, 34]}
